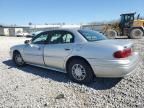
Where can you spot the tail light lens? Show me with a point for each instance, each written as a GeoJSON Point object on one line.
{"type": "Point", "coordinates": [123, 54]}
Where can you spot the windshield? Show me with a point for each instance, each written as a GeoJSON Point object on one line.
{"type": "Point", "coordinates": [91, 35]}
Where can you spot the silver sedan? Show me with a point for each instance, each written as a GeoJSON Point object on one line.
{"type": "Point", "coordinates": [82, 54]}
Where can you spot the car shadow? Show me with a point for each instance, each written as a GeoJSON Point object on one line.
{"type": "Point", "coordinates": [97, 84]}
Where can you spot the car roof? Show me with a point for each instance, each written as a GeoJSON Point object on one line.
{"type": "Point", "coordinates": [70, 30]}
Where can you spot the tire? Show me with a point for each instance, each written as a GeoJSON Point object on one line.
{"type": "Point", "coordinates": [111, 34]}
{"type": "Point", "coordinates": [79, 71]}
{"type": "Point", "coordinates": [136, 33]}
{"type": "Point", "coordinates": [18, 60]}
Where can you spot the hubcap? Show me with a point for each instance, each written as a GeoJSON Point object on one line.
{"type": "Point", "coordinates": [78, 72]}
{"type": "Point", "coordinates": [137, 33]}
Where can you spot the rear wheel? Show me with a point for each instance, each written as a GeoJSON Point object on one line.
{"type": "Point", "coordinates": [136, 33]}
{"type": "Point", "coordinates": [18, 60]}
{"type": "Point", "coordinates": [79, 71]}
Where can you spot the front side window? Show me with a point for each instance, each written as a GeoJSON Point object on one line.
{"type": "Point", "coordinates": [61, 37]}
{"type": "Point", "coordinates": [40, 39]}
{"type": "Point", "coordinates": [55, 38]}
{"type": "Point", "coordinates": [90, 35]}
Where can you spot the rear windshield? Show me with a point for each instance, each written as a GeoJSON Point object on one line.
{"type": "Point", "coordinates": [91, 35]}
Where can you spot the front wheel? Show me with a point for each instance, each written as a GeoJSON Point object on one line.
{"type": "Point", "coordinates": [18, 60]}
{"type": "Point", "coordinates": [79, 71]}
{"type": "Point", "coordinates": [111, 34]}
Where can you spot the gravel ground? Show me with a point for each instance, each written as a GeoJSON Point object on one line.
{"type": "Point", "coordinates": [34, 87]}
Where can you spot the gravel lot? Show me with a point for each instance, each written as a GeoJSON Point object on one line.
{"type": "Point", "coordinates": [34, 87]}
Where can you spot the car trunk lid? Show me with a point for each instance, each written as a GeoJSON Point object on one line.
{"type": "Point", "coordinates": [119, 43]}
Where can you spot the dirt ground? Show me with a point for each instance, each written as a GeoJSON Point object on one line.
{"type": "Point", "coordinates": [34, 87]}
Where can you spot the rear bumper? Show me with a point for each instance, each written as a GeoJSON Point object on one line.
{"type": "Point", "coordinates": [115, 68]}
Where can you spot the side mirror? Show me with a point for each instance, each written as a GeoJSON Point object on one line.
{"type": "Point", "coordinates": [27, 41]}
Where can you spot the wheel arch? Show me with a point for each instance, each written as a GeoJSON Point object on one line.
{"type": "Point", "coordinates": [14, 52]}
{"type": "Point", "coordinates": [141, 27]}
{"type": "Point", "coordinates": [76, 57]}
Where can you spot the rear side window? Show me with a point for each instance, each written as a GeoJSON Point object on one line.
{"type": "Point", "coordinates": [61, 37]}
{"type": "Point", "coordinates": [68, 38]}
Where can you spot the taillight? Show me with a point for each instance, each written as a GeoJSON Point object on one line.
{"type": "Point", "coordinates": [123, 54]}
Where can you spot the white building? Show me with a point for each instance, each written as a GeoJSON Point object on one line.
{"type": "Point", "coordinates": [12, 30]}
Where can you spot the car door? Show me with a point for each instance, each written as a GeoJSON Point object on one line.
{"type": "Point", "coordinates": [60, 46]}
{"type": "Point", "coordinates": [33, 52]}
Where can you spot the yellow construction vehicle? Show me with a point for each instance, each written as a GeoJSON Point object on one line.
{"type": "Point", "coordinates": [128, 26]}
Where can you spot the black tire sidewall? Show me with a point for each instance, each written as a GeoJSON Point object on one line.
{"type": "Point", "coordinates": [89, 71]}
{"type": "Point", "coordinates": [14, 59]}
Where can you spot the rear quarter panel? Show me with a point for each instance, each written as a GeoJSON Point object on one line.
{"type": "Point", "coordinates": [95, 51]}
